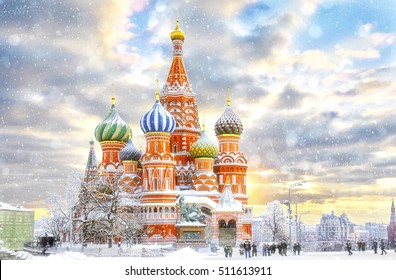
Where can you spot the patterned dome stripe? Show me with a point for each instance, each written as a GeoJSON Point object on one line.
{"type": "Point", "coordinates": [228, 123]}
{"type": "Point", "coordinates": [203, 148]}
{"type": "Point", "coordinates": [157, 120]}
{"type": "Point", "coordinates": [112, 128]}
{"type": "Point", "coordinates": [130, 152]}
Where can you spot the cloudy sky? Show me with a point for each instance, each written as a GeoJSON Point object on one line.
{"type": "Point", "coordinates": [312, 81]}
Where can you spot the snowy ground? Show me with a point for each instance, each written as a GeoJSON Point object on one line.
{"type": "Point", "coordinates": [157, 251]}
{"type": "Point", "coordinates": [98, 262]}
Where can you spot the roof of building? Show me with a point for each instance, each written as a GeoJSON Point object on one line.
{"type": "Point", "coordinates": [200, 200]}
{"type": "Point", "coordinates": [227, 202]}
{"type": "Point", "coordinates": [228, 123]}
{"type": "Point", "coordinates": [91, 162]}
{"type": "Point", "coordinates": [157, 119]}
{"type": "Point", "coordinates": [130, 151]}
{"type": "Point", "coordinates": [112, 128]}
{"type": "Point", "coordinates": [203, 147]}
{"type": "Point", "coordinates": [5, 206]}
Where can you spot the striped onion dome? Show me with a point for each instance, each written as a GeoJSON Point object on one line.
{"type": "Point", "coordinates": [228, 123]}
{"type": "Point", "coordinates": [112, 128]}
{"type": "Point", "coordinates": [157, 119]}
{"type": "Point", "coordinates": [130, 152]}
{"type": "Point", "coordinates": [203, 147]}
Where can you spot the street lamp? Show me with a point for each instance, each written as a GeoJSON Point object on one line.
{"type": "Point", "coordinates": [299, 226]}
{"type": "Point", "coordinates": [299, 184]}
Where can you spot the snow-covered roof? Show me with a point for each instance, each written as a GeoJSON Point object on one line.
{"type": "Point", "coordinates": [192, 224]}
{"type": "Point", "coordinates": [126, 201]}
{"type": "Point", "coordinates": [5, 206]}
{"type": "Point", "coordinates": [198, 193]}
{"type": "Point", "coordinates": [200, 200]}
{"type": "Point", "coordinates": [227, 202]}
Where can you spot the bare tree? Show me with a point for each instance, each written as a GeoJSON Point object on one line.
{"type": "Point", "coordinates": [130, 224]}
{"type": "Point", "coordinates": [56, 225]}
{"type": "Point", "coordinates": [101, 210]}
{"type": "Point", "coordinates": [275, 220]}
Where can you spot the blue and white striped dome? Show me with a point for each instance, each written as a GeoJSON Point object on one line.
{"type": "Point", "coordinates": [157, 120]}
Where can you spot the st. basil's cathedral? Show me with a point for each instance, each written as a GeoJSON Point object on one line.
{"type": "Point", "coordinates": [179, 161]}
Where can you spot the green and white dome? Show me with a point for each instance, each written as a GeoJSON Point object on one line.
{"type": "Point", "coordinates": [112, 128]}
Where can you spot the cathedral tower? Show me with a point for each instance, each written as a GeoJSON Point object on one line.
{"type": "Point", "coordinates": [179, 99]}
{"type": "Point", "coordinates": [392, 227]}
{"type": "Point", "coordinates": [204, 151]}
{"type": "Point", "coordinates": [111, 133]}
{"type": "Point", "coordinates": [230, 162]}
{"type": "Point", "coordinates": [130, 156]}
{"type": "Point", "coordinates": [158, 178]}
{"type": "Point", "coordinates": [91, 171]}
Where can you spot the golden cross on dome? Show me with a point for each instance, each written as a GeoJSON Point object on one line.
{"type": "Point", "coordinates": [229, 97]}
{"type": "Point", "coordinates": [112, 98]}
{"type": "Point", "coordinates": [203, 121]}
{"type": "Point", "coordinates": [157, 92]}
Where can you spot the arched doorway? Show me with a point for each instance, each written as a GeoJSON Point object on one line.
{"type": "Point", "coordinates": [227, 233]}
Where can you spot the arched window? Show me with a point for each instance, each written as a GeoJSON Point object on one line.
{"type": "Point", "coordinates": [222, 224]}
{"type": "Point", "coordinates": [231, 224]}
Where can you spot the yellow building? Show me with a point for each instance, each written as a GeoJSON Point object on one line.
{"type": "Point", "coordinates": [16, 225]}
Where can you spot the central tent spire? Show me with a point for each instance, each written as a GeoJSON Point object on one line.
{"type": "Point", "coordinates": [177, 81]}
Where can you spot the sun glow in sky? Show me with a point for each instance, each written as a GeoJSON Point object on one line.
{"type": "Point", "coordinates": [311, 80]}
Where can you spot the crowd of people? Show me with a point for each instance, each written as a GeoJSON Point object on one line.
{"type": "Point", "coordinates": [361, 245]}
{"type": "Point", "coordinates": [249, 249]}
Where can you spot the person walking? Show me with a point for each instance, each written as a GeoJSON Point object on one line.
{"type": "Point", "coordinates": [265, 250]}
{"type": "Point", "coordinates": [226, 251]}
{"type": "Point", "coordinates": [349, 247]}
{"type": "Point", "coordinates": [230, 251]}
{"type": "Point", "coordinates": [298, 248]}
{"type": "Point", "coordinates": [284, 247]}
{"type": "Point", "coordinates": [375, 246]}
{"type": "Point", "coordinates": [247, 246]}
{"type": "Point", "coordinates": [254, 249]}
{"type": "Point", "coordinates": [382, 246]}
{"type": "Point", "coordinates": [294, 248]}
{"type": "Point", "coordinates": [280, 250]}
{"type": "Point", "coordinates": [241, 248]}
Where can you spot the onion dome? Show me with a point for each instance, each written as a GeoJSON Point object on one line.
{"type": "Point", "coordinates": [130, 152]}
{"type": "Point", "coordinates": [157, 119]}
{"type": "Point", "coordinates": [112, 128]}
{"type": "Point", "coordinates": [203, 147]}
{"type": "Point", "coordinates": [228, 123]}
{"type": "Point", "coordinates": [177, 34]}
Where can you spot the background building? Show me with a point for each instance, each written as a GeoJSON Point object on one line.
{"type": "Point", "coordinates": [16, 225]}
{"type": "Point", "coordinates": [334, 231]}
{"type": "Point", "coordinates": [392, 227]}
